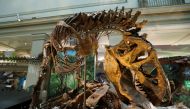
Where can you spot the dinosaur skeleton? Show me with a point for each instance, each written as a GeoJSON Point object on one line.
{"type": "Point", "coordinates": [123, 63]}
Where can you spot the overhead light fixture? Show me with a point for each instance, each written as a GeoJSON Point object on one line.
{"type": "Point", "coordinates": [18, 17]}
{"type": "Point", "coordinates": [4, 47]}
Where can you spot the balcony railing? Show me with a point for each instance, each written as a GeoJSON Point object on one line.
{"type": "Point", "coordinates": [156, 3]}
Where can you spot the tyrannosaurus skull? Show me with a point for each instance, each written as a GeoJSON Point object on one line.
{"type": "Point", "coordinates": [124, 67]}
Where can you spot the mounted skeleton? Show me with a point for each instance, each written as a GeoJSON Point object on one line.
{"type": "Point", "coordinates": [122, 64]}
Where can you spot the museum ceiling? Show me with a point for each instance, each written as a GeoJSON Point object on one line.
{"type": "Point", "coordinates": [167, 31]}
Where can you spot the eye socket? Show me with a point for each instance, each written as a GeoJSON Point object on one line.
{"type": "Point", "coordinates": [120, 51]}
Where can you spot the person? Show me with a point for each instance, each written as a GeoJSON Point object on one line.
{"type": "Point", "coordinates": [15, 84]}
{"type": "Point", "coordinates": [21, 82]}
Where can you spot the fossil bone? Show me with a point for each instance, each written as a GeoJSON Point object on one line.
{"type": "Point", "coordinates": [123, 63]}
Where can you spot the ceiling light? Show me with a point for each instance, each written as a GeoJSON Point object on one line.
{"type": "Point", "coordinates": [18, 17]}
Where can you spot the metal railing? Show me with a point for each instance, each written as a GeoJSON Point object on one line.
{"type": "Point", "coordinates": [157, 3]}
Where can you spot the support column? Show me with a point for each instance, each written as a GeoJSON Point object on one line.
{"type": "Point", "coordinates": [34, 69]}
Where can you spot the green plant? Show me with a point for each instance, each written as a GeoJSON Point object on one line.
{"type": "Point", "coordinates": [55, 84]}
{"type": "Point", "coordinates": [183, 95]}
